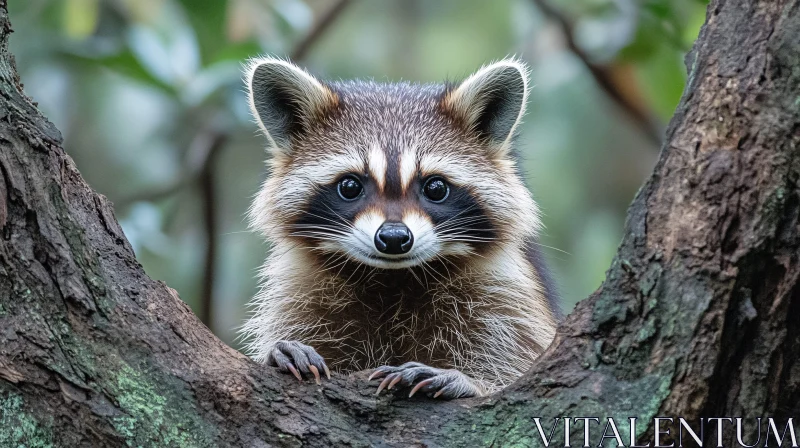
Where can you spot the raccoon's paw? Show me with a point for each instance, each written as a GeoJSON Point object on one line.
{"type": "Point", "coordinates": [444, 383]}
{"type": "Point", "coordinates": [294, 357]}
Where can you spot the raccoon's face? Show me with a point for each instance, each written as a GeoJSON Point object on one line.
{"type": "Point", "coordinates": [392, 175]}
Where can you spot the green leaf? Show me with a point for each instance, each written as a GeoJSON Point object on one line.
{"type": "Point", "coordinates": [124, 63]}
{"type": "Point", "coordinates": [696, 20]}
{"type": "Point", "coordinates": [208, 20]}
{"type": "Point", "coordinates": [644, 44]}
{"type": "Point", "coordinates": [80, 18]}
{"type": "Point", "coordinates": [236, 52]}
{"type": "Point", "coordinates": [662, 78]}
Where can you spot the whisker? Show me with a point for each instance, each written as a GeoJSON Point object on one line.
{"type": "Point", "coordinates": [237, 232]}
{"type": "Point", "coordinates": [323, 230]}
{"type": "Point", "coordinates": [551, 247]}
{"type": "Point", "coordinates": [342, 222]}
{"type": "Point", "coordinates": [464, 235]}
{"type": "Point", "coordinates": [471, 207]}
{"type": "Point", "coordinates": [451, 221]}
{"type": "Point", "coordinates": [318, 236]}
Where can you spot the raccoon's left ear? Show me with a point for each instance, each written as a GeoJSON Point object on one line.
{"type": "Point", "coordinates": [492, 101]}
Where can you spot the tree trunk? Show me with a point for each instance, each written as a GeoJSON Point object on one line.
{"type": "Point", "coordinates": [698, 315]}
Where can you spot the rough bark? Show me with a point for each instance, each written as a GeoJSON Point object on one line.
{"type": "Point", "coordinates": [698, 315]}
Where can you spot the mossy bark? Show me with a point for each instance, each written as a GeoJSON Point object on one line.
{"type": "Point", "coordinates": [698, 315]}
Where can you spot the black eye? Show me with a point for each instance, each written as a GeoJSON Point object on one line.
{"type": "Point", "coordinates": [436, 189]}
{"type": "Point", "coordinates": [349, 188]}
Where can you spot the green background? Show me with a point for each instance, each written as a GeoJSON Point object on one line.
{"type": "Point", "coordinates": [133, 83]}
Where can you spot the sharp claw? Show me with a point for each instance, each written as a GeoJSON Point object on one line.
{"type": "Point", "coordinates": [383, 384]}
{"type": "Point", "coordinates": [327, 371]}
{"type": "Point", "coordinates": [376, 374]}
{"type": "Point", "coordinates": [439, 392]}
{"type": "Point", "coordinates": [395, 381]}
{"type": "Point", "coordinates": [295, 372]}
{"type": "Point", "coordinates": [419, 386]}
{"type": "Point", "coordinates": [315, 371]}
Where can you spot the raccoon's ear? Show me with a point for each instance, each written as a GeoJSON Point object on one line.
{"type": "Point", "coordinates": [284, 99]}
{"type": "Point", "coordinates": [492, 101]}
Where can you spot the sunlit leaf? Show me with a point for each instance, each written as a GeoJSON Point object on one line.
{"type": "Point", "coordinates": [80, 17]}
{"type": "Point", "coordinates": [143, 11]}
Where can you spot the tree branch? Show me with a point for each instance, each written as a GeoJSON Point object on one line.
{"type": "Point", "coordinates": [319, 28]}
{"type": "Point", "coordinates": [601, 75]}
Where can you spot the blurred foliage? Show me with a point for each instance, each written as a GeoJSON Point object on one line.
{"type": "Point", "coordinates": [133, 83]}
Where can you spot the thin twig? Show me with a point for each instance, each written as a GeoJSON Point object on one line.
{"type": "Point", "coordinates": [601, 75]}
{"type": "Point", "coordinates": [194, 163]}
{"type": "Point", "coordinates": [208, 192]}
{"type": "Point", "coordinates": [152, 195]}
{"type": "Point", "coordinates": [318, 29]}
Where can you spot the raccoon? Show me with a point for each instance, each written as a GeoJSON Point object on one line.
{"type": "Point", "coordinates": [402, 235]}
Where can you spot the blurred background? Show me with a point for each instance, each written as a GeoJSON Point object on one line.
{"type": "Point", "coordinates": [149, 98]}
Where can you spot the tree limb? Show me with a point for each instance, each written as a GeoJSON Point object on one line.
{"type": "Point", "coordinates": [602, 76]}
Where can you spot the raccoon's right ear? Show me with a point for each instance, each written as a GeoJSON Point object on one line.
{"type": "Point", "coordinates": [284, 99]}
{"type": "Point", "coordinates": [491, 102]}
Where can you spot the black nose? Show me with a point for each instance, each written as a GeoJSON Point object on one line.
{"type": "Point", "coordinates": [394, 238]}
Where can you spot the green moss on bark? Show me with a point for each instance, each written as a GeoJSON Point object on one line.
{"type": "Point", "coordinates": [151, 414]}
{"type": "Point", "coordinates": [18, 428]}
